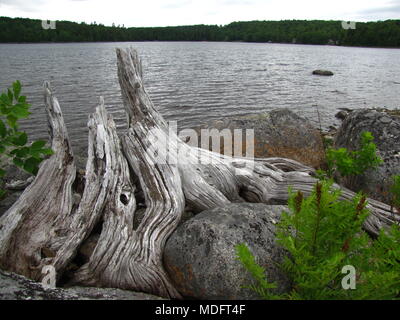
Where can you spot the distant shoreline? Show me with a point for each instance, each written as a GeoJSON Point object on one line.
{"type": "Point", "coordinates": [253, 42]}
{"type": "Point", "coordinates": [379, 34]}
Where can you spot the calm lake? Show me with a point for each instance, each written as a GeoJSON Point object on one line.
{"type": "Point", "coordinates": [192, 82]}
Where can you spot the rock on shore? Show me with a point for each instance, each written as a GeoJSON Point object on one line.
{"type": "Point", "coordinates": [16, 287]}
{"type": "Point", "coordinates": [278, 133]}
{"type": "Point", "coordinates": [386, 131]}
{"type": "Point", "coordinates": [200, 255]}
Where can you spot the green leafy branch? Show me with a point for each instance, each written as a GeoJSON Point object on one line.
{"type": "Point", "coordinates": [14, 146]}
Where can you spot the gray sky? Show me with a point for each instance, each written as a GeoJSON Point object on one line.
{"type": "Point", "coordinates": [133, 13]}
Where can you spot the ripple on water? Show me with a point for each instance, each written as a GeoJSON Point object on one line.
{"type": "Point", "coordinates": [195, 82]}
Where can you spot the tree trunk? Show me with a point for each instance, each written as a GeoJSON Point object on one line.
{"type": "Point", "coordinates": [126, 257]}
{"type": "Point", "coordinates": [150, 172]}
{"type": "Point", "coordinates": [41, 215]}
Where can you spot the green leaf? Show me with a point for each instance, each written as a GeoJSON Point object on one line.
{"type": "Point", "coordinates": [18, 162]}
{"type": "Point", "coordinates": [2, 172]}
{"type": "Point", "coordinates": [3, 129]}
{"type": "Point", "coordinates": [47, 151]}
{"type": "Point", "coordinates": [10, 96]}
{"type": "Point", "coordinates": [3, 109]}
{"type": "Point", "coordinates": [20, 112]}
{"type": "Point", "coordinates": [35, 154]}
{"type": "Point", "coordinates": [17, 89]}
{"type": "Point", "coordinates": [12, 121]}
{"type": "Point", "coordinates": [21, 140]}
{"type": "Point", "coordinates": [37, 145]}
{"type": "Point", "coordinates": [5, 99]}
{"type": "Point", "coordinates": [31, 165]}
{"type": "Point", "coordinates": [21, 153]}
{"type": "Point", "coordinates": [22, 99]}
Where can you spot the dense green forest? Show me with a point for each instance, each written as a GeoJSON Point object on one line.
{"type": "Point", "coordinates": [379, 34]}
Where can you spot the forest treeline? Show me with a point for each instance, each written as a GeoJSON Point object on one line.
{"type": "Point", "coordinates": [373, 34]}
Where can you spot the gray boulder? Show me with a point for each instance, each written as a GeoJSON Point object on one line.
{"type": "Point", "coordinates": [16, 287]}
{"type": "Point", "coordinates": [341, 115]}
{"type": "Point", "coordinates": [278, 133]}
{"type": "Point", "coordinates": [200, 255]}
{"type": "Point", "coordinates": [386, 131]}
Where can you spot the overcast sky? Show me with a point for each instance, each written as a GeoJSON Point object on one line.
{"type": "Point", "coordinates": [133, 13]}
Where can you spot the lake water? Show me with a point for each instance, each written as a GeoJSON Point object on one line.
{"type": "Point", "coordinates": [193, 82]}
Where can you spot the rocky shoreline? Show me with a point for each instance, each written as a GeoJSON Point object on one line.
{"type": "Point", "coordinates": [16, 287]}
{"type": "Point", "coordinates": [279, 133]}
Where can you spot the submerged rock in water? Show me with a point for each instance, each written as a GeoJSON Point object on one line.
{"type": "Point", "coordinates": [323, 72]}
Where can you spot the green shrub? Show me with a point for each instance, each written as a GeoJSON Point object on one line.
{"type": "Point", "coordinates": [263, 287]}
{"type": "Point", "coordinates": [352, 163]}
{"type": "Point", "coordinates": [14, 147]}
{"type": "Point", "coordinates": [395, 192]}
{"type": "Point", "coordinates": [322, 234]}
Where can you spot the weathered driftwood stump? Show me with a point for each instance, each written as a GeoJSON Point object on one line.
{"type": "Point", "coordinates": [60, 210]}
